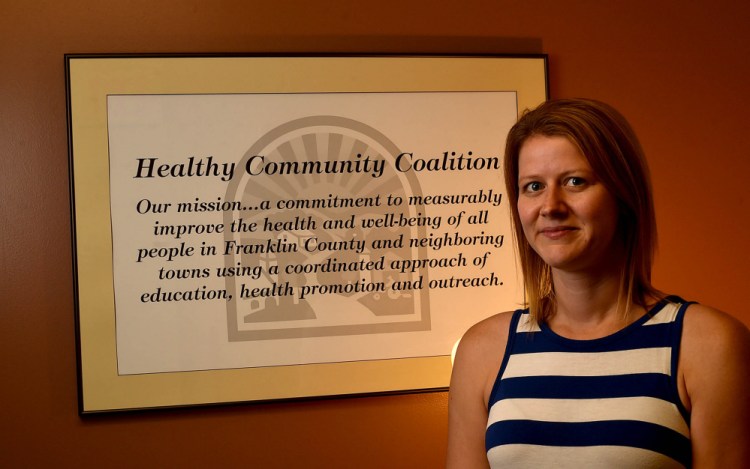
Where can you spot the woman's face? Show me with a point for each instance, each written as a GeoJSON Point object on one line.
{"type": "Point", "coordinates": [569, 218]}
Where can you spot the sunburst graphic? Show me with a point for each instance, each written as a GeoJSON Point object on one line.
{"type": "Point", "coordinates": [367, 302]}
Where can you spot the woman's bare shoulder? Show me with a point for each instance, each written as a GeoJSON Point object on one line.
{"type": "Point", "coordinates": [489, 329]}
{"type": "Point", "coordinates": [488, 333]}
{"type": "Point", "coordinates": [476, 365]}
{"type": "Point", "coordinates": [705, 325]}
{"type": "Point", "coordinates": [714, 354]}
{"type": "Point", "coordinates": [715, 348]}
{"type": "Point", "coordinates": [480, 353]}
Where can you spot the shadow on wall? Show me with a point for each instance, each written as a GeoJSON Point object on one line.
{"type": "Point", "coordinates": [444, 45]}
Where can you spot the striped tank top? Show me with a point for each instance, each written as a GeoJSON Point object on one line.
{"type": "Point", "coordinates": [604, 403]}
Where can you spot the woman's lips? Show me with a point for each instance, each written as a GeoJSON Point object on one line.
{"type": "Point", "coordinates": [556, 232]}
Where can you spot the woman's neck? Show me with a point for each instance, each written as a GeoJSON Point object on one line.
{"type": "Point", "coordinates": [588, 305]}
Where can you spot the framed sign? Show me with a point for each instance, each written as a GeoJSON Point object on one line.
{"type": "Point", "coordinates": [254, 228]}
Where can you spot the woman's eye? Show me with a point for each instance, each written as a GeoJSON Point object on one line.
{"type": "Point", "coordinates": [533, 187]}
{"type": "Point", "coordinates": [576, 181]}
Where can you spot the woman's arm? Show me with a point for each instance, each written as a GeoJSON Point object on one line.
{"type": "Point", "coordinates": [475, 368]}
{"type": "Point", "coordinates": [715, 371]}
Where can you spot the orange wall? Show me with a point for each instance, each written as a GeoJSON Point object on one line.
{"type": "Point", "coordinates": [678, 70]}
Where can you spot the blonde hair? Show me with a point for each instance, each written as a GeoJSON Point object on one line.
{"type": "Point", "coordinates": [612, 149]}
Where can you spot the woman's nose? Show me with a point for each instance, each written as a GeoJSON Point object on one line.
{"type": "Point", "coordinates": [553, 203]}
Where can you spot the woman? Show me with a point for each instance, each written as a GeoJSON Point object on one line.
{"type": "Point", "coordinates": [601, 369]}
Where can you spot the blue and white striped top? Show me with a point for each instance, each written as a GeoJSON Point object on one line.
{"type": "Point", "coordinates": [611, 402]}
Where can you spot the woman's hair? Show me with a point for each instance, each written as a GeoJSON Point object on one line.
{"type": "Point", "coordinates": [605, 138]}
